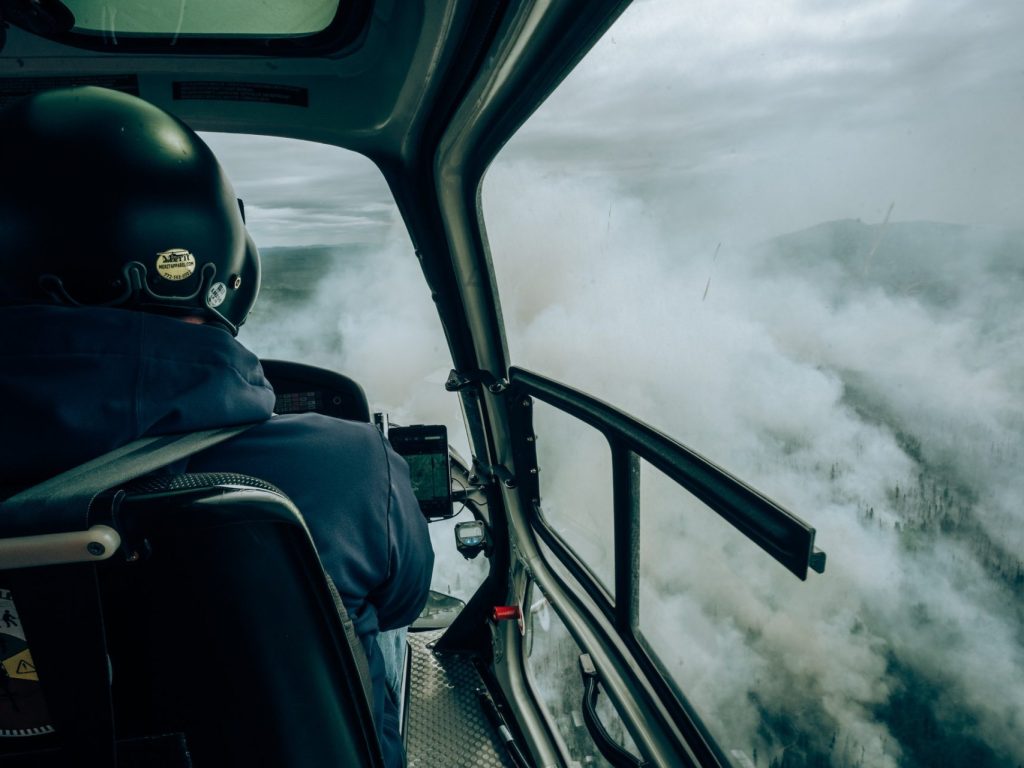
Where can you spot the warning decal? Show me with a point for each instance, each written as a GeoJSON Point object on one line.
{"type": "Point", "coordinates": [216, 295]}
{"type": "Point", "coordinates": [263, 93]}
{"type": "Point", "coordinates": [22, 707]}
{"type": "Point", "coordinates": [20, 667]}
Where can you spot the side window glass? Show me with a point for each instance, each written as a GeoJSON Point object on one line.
{"type": "Point", "coordinates": [789, 235]}
{"type": "Point", "coordinates": [576, 488]}
{"type": "Point", "coordinates": [712, 616]}
{"type": "Point", "coordinates": [552, 668]}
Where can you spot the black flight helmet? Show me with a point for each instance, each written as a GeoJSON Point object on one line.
{"type": "Point", "coordinates": [107, 200]}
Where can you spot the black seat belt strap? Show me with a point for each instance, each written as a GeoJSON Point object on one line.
{"type": "Point", "coordinates": [358, 651]}
{"type": "Point", "coordinates": [62, 503]}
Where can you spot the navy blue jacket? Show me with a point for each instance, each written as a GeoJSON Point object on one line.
{"type": "Point", "coordinates": [78, 382]}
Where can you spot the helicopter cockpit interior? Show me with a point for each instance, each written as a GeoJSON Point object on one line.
{"type": "Point", "coordinates": [585, 263]}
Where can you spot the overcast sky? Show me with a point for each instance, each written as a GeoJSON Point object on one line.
{"type": "Point", "coordinates": [778, 115]}
{"type": "Point", "coordinates": [300, 193]}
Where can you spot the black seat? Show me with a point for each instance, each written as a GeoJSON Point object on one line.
{"type": "Point", "coordinates": [210, 638]}
{"type": "Point", "coordinates": [302, 388]}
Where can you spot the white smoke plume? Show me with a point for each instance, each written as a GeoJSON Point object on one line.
{"type": "Point", "coordinates": [832, 397]}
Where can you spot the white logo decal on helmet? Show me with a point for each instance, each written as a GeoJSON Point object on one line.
{"type": "Point", "coordinates": [216, 295]}
{"type": "Point", "coordinates": [175, 264]}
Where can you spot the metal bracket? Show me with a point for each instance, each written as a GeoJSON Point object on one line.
{"type": "Point", "coordinates": [587, 668]}
{"type": "Point", "coordinates": [498, 472]}
{"type": "Point", "coordinates": [817, 561]}
{"type": "Point", "coordinates": [458, 380]}
{"type": "Point", "coordinates": [524, 442]}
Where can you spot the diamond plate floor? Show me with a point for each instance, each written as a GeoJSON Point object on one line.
{"type": "Point", "coordinates": [447, 727]}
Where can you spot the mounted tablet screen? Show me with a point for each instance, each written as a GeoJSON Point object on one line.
{"type": "Point", "coordinates": [425, 450]}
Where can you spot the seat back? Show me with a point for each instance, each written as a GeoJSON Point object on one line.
{"type": "Point", "coordinates": [214, 626]}
{"type": "Point", "coordinates": [302, 388]}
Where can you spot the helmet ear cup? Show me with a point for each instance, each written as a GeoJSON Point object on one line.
{"type": "Point", "coordinates": [147, 218]}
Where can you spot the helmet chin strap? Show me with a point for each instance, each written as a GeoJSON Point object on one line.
{"type": "Point", "coordinates": [136, 290]}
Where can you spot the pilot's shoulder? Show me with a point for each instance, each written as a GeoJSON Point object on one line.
{"type": "Point", "coordinates": [306, 455]}
{"type": "Point", "coordinates": [323, 436]}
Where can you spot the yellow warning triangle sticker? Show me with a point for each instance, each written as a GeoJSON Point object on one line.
{"type": "Point", "coordinates": [21, 667]}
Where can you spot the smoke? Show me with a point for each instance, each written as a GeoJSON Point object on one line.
{"type": "Point", "coordinates": [885, 417]}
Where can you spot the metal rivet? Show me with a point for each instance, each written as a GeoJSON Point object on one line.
{"type": "Point", "coordinates": [95, 548]}
{"type": "Point", "coordinates": [235, 281]}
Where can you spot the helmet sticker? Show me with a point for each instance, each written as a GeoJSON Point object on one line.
{"type": "Point", "coordinates": [175, 264]}
{"type": "Point", "coordinates": [216, 295]}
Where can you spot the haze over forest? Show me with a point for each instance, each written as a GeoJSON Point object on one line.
{"type": "Point", "coordinates": [880, 404]}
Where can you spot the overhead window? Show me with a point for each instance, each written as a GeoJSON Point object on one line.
{"type": "Point", "coordinates": [229, 18]}
{"type": "Point", "coordinates": [256, 27]}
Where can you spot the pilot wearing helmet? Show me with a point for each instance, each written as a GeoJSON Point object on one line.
{"type": "Point", "coordinates": [116, 225]}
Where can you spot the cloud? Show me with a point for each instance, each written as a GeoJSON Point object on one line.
{"type": "Point", "coordinates": [300, 193]}
{"type": "Point", "coordinates": [747, 106]}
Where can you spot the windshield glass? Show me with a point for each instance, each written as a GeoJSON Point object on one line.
{"type": "Point", "coordinates": [790, 235]}
{"type": "Point", "coordinates": [342, 289]}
